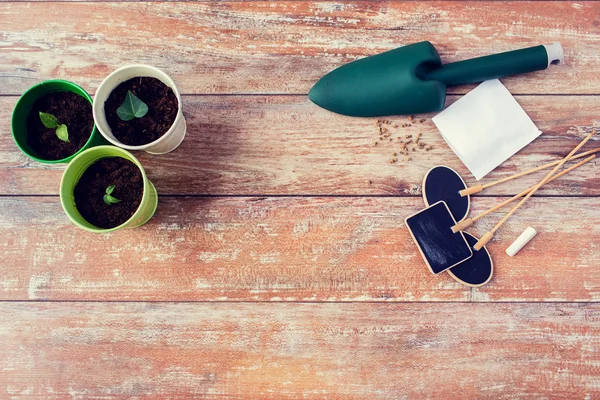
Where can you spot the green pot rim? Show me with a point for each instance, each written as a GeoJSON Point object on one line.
{"type": "Point", "coordinates": [62, 160]}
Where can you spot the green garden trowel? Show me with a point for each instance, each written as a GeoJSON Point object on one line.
{"type": "Point", "coordinates": [412, 79]}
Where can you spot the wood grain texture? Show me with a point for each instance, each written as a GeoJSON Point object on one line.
{"type": "Point", "coordinates": [288, 249]}
{"type": "Point", "coordinates": [289, 267]}
{"type": "Point", "coordinates": [309, 351]}
{"type": "Point", "coordinates": [286, 145]}
{"type": "Point", "coordinates": [284, 47]}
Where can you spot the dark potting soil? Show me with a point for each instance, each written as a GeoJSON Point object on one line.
{"type": "Point", "coordinates": [162, 110]}
{"type": "Point", "coordinates": [89, 192]}
{"type": "Point", "coordinates": [70, 109]}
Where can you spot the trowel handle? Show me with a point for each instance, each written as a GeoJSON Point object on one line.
{"type": "Point", "coordinates": [498, 65]}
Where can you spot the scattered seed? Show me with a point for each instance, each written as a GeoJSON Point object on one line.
{"type": "Point", "coordinates": [407, 143]}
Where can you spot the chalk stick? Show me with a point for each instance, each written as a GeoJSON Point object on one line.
{"type": "Point", "coordinates": [442, 183]}
{"type": "Point", "coordinates": [431, 229]}
{"type": "Point", "coordinates": [521, 241]}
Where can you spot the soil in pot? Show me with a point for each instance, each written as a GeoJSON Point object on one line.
{"type": "Point", "coordinates": [70, 109]}
{"type": "Point", "coordinates": [91, 188]}
{"type": "Point", "coordinates": [162, 110]}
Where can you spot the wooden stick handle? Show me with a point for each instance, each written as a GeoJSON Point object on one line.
{"type": "Point", "coordinates": [467, 222]}
{"type": "Point", "coordinates": [462, 225]}
{"type": "Point", "coordinates": [471, 190]}
{"type": "Point", "coordinates": [479, 188]}
{"type": "Point", "coordinates": [484, 239]}
{"type": "Point", "coordinates": [535, 189]}
{"type": "Point", "coordinates": [542, 182]}
{"type": "Point", "coordinates": [524, 192]}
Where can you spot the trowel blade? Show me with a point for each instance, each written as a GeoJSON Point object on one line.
{"type": "Point", "coordinates": [389, 83]}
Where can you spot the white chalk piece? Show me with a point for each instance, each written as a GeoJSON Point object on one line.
{"type": "Point", "coordinates": [521, 241]}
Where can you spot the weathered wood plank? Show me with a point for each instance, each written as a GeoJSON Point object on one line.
{"type": "Point", "coordinates": [286, 145]}
{"type": "Point", "coordinates": [284, 47]}
{"type": "Point", "coordinates": [288, 249]}
{"type": "Point", "coordinates": [310, 351]}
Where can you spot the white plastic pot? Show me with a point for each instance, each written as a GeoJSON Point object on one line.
{"type": "Point", "coordinates": [164, 144]}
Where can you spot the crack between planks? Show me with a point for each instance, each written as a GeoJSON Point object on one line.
{"type": "Point", "coordinates": [266, 196]}
{"type": "Point", "coordinates": [246, 1]}
{"type": "Point", "coordinates": [277, 94]}
{"type": "Point", "coordinates": [382, 302]}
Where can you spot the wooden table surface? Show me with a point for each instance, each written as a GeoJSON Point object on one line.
{"type": "Point", "coordinates": [273, 268]}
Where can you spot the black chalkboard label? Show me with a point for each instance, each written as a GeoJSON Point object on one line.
{"type": "Point", "coordinates": [431, 230]}
{"type": "Point", "coordinates": [443, 183]}
{"type": "Point", "coordinates": [477, 270]}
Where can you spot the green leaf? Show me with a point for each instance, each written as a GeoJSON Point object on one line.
{"type": "Point", "coordinates": [48, 120]}
{"type": "Point", "coordinates": [108, 199]}
{"type": "Point", "coordinates": [63, 133]}
{"type": "Point", "coordinates": [131, 108]}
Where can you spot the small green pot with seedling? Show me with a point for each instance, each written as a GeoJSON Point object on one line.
{"type": "Point", "coordinates": [105, 188]}
{"type": "Point", "coordinates": [52, 122]}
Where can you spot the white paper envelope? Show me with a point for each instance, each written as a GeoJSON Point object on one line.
{"type": "Point", "coordinates": [486, 127]}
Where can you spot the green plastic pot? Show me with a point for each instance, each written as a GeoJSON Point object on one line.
{"type": "Point", "coordinates": [23, 109]}
{"type": "Point", "coordinates": [80, 164]}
